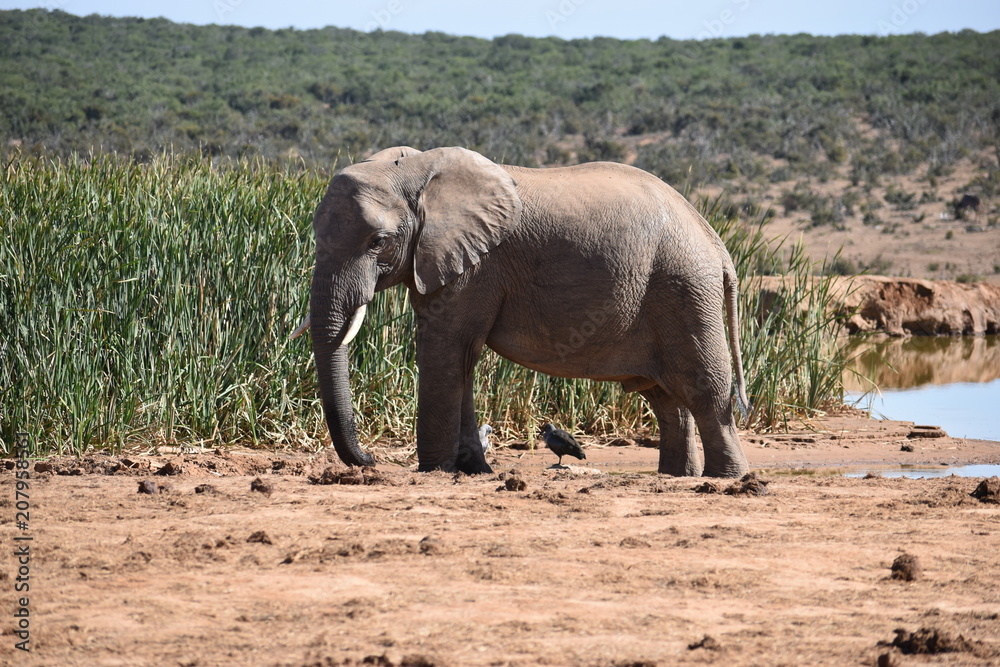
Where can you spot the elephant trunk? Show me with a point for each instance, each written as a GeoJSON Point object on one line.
{"type": "Point", "coordinates": [330, 334]}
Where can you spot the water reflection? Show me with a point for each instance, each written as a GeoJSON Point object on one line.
{"type": "Point", "coordinates": [902, 363]}
{"type": "Point", "coordinates": [890, 470]}
{"type": "Point", "coordinates": [922, 472]}
{"type": "Point", "coordinates": [952, 382]}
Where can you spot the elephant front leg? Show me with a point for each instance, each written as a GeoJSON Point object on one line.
{"type": "Point", "coordinates": [444, 405]}
{"type": "Point", "coordinates": [471, 458]}
{"type": "Point", "coordinates": [678, 445]}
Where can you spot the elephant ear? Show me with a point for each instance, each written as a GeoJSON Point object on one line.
{"type": "Point", "coordinates": [393, 153]}
{"type": "Point", "coordinates": [466, 209]}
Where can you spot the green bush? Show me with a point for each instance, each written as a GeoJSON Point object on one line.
{"type": "Point", "coordinates": [71, 84]}
{"type": "Point", "coordinates": [900, 199]}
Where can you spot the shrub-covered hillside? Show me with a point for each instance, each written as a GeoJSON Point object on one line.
{"type": "Point", "coordinates": [696, 111]}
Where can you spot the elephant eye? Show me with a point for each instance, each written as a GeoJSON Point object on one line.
{"type": "Point", "coordinates": [378, 243]}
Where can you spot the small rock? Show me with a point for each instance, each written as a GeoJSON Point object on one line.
{"type": "Point", "coordinates": [259, 537]}
{"type": "Point", "coordinates": [205, 488]}
{"type": "Point", "coordinates": [148, 486]}
{"type": "Point", "coordinates": [633, 543]}
{"type": "Point", "coordinates": [44, 466]}
{"type": "Point", "coordinates": [930, 641]}
{"type": "Point", "coordinates": [988, 491]}
{"type": "Point", "coordinates": [749, 485]}
{"type": "Point", "coordinates": [261, 486]}
{"type": "Point", "coordinates": [175, 467]}
{"type": "Point", "coordinates": [906, 448]}
{"type": "Point", "coordinates": [622, 442]}
{"type": "Point", "coordinates": [707, 642]}
{"type": "Point", "coordinates": [708, 487]}
{"type": "Point", "coordinates": [430, 546]}
{"type": "Point", "coordinates": [890, 659]}
{"type": "Point", "coordinates": [330, 475]}
{"type": "Point", "coordinates": [906, 567]}
{"type": "Point", "coordinates": [514, 482]}
{"type": "Point", "coordinates": [364, 475]}
{"type": "Point", "coordinates": [927, 432]}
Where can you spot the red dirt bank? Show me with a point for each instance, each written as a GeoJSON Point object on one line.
{"type": "Point", "coordinates": [908, 306]}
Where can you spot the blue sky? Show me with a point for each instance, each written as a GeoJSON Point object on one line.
{"type": "Point", "coordinates": [627, 19]}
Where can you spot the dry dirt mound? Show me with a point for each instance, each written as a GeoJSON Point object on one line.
{"type": "Point", "coordinates": [988, 491]}
{"type": "Point", "coordinates": [365, 476]}
{"type": "Point", "coordinates": [218, 462]}
{"type": "Point", "coordinates": [906, 567]}
{"type": "Point", "coordinates": [930, 641]}
{"type": "Point", "coordinates": [749, 485]}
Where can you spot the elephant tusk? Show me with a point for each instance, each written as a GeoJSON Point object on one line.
{"type": "Point", "coordinates": [356, 321]}
{"type": "Point", "coordinates": [305, 324]}
{"type": "Point", "coordinates": [352, 331]}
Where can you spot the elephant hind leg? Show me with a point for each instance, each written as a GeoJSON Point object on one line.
{"type": "Point", "coordinates": [678, 445]}
{"type": "Point", "coordinates": [725, 457]}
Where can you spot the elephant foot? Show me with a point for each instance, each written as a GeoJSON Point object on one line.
{"type": "Point", "coordinates": [469, 465]}
{"type": "Point", "coordinates": [735, 471]}
{"type": "Point", "coordinates": [679, 458]}
{"type": "Point", "coordinates": [472, 460]}
{"type": "Point", "coordinates": [682, 469]}
{"type": "Point", "coordinates": [435, 467]}
{"type": "Point", "coordinates": [472, 467]}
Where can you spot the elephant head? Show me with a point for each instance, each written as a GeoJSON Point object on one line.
{"type": "Point", "coordinates": [402, 216]}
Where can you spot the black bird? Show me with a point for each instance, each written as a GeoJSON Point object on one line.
{"type": "Point", "coordinates": [561, 443]}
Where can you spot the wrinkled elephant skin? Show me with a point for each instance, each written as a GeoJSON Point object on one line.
{"type": "Point", "coordinates": [595, 271]}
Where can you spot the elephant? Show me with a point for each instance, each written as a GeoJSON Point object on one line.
{"type": "Point", "coordinates": [598, 270]}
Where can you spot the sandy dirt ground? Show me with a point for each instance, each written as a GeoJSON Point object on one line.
{"type": "Point", "coordinates": [603, 563]}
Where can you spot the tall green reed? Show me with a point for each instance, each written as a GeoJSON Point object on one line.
{"type": "Point", "coordinates": [151, 302]}
{"type": "Point", "coordinates": [146, 304]}
{"type": "Point", "coordinates": [793, 363]}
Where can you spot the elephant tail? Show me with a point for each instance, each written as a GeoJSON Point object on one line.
{"type": "Point", "coordinates": [733, 323]}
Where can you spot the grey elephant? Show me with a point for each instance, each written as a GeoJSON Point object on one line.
{"type": "Point", "coordinates": [597, 271]}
